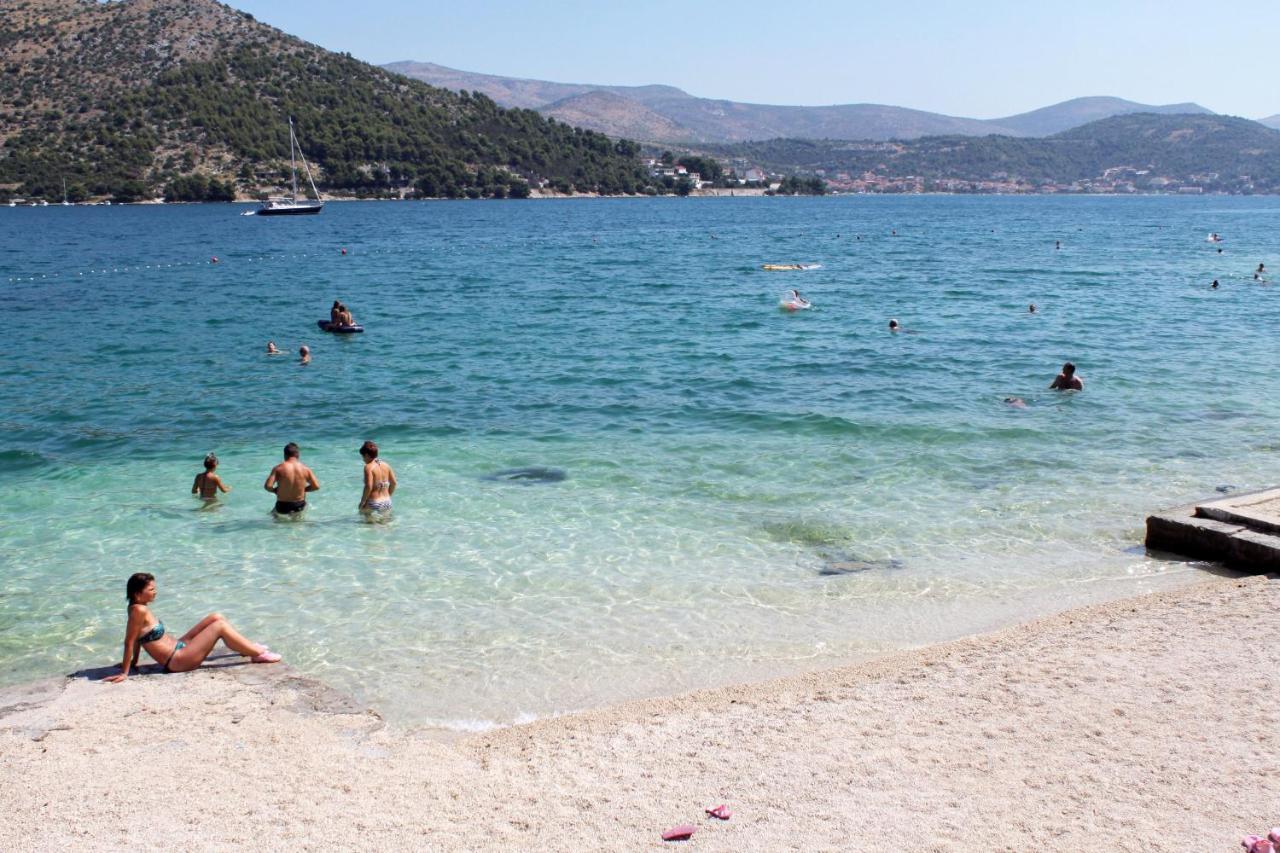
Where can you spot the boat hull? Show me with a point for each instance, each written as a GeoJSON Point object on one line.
{"type": "Point", "coordinates": [300, 210]}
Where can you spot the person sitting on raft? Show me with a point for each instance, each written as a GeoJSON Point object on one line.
{"type": "Point", "coordinates": [177, 654]}
{"type": "Point", "coordinates": [335, 313]}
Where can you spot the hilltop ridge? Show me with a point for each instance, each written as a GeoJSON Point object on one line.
{"type": "Point", "coordinates": [129, 99]}
{"type": "Point", "coordinates": [662, 114]}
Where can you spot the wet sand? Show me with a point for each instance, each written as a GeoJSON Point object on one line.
{"type": "Point", "coordinates": [1150, 722]}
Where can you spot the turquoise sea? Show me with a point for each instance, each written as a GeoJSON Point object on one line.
{"type": "Point", "coordinates": [746, 492]}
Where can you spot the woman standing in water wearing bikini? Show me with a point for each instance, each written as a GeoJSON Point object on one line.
{"type": "Point", "coordinates": [177, 654]}
{"type": "Point", "coordinates": [379, 484]}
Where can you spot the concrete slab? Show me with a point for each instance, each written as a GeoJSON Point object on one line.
{"type": "Point", "coordinates": [1242, 531]}
{"type": "Point", "coordinates": [1259, 510]}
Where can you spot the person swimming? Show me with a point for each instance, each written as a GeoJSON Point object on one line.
{"type": "Point", "coordinates": [793, 301]}
{"type": "Point", "coordinates": [1214, 286]}
{"type": "Point", "coordinates": [304, 354]}
{"type": "Point", "coordinates": [207, 483]}
{"type": "Point", "coordinates": [894, 327]}
{"type": "Point", "coordinates": [271, 348]}
{"type": "Point", "coordinates": [177, 654]}
{"type": "Point", "coordinates": [1067, 380]}
{"type": "Point", "coordinates": [1260, 272]}
{"type": "Point", "coordinates": [1031, 309]}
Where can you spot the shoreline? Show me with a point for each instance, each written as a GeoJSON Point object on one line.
{"type": "Point", "coordinates": [1146, 717]}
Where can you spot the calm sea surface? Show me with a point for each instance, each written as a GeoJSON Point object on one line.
{"type": "Point", "coordinates": [746, 492]}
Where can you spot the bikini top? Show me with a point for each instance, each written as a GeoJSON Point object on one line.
{"type": "Point", "coordinates": [156, 632]}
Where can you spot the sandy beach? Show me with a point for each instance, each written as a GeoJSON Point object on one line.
{"type": "Point", "coordinates": [1148, 722]}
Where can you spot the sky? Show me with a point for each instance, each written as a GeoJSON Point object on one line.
{"type": "Point", "coordinates": [977, 59]}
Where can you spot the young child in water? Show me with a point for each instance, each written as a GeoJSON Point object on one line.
{"type": "Point", "coordinates": [208, 483]}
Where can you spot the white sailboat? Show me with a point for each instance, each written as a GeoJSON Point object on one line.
{"type": "Point", "coordinates": [65, 203]}
{"type": "Point", "coordinates": [292, 206]}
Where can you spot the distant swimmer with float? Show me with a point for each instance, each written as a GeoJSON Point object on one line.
{"type": "Point", "coordinates": [792, 301]}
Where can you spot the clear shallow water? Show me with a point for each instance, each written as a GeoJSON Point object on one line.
{"type": "Point", "coordinates": [720, 454]}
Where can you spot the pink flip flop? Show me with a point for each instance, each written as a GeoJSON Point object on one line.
{"type": "Point", "coordinates": [679, 833]}
{"type": "Point", "coordinates": [267, 656]}
{"type": "Point", "coordinates": [720, 812]}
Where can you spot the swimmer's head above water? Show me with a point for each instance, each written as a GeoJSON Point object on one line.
{"type": "Point", "coordinates": [210, 462]}
{"type": "Point", "coordinates": [893, 326]}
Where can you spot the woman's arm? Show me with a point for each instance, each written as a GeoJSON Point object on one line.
{"type": "Point", "coordinates": [222, 487]}
{"type": "Point", "coordinates": [195, 487]}
{"type": "Point", "coordinates": [368, 484]}
{"type": "Point", "coordinates": [391, 475]}
{"type": "Point", "coordinates": [131, 647]}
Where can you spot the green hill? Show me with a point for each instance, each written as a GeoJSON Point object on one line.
{"type": "Point", "coordinates": [190, 97]}
{"type": "Point", "coordinates": [1216, 153]}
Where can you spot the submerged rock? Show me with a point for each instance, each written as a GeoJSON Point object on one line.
{"type": "Point", "coordinates": [528, 476]}
{"type": "Point", "coordinates": [836, 568]}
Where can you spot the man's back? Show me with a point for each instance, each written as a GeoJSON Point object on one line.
{"type": "Point", "coordinates": [292, 480]}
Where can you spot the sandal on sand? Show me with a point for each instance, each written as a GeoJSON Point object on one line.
{"type": "Point", "coordinates": [721, 811]}
{"type": "Point", "coordinates": [679, 833]}
{"type": "Point", "coordinates": [267, 656]}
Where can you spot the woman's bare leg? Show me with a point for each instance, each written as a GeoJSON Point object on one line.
{"type": "Point", "coordinates": [185, 660]}
{"type": "Point", "coordinates": [200, 626]}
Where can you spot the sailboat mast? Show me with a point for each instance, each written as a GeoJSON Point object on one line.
{"type": "Point", "coordinates": [293, 166]}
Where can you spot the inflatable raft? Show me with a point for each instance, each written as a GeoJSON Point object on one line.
{"type": "Point", "coordinates": [340, 329]}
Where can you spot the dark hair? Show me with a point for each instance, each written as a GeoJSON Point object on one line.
{"type": "Point", "coordinates": [1068, 368]}
{"type": "Point", "coordinates": [291, 450]}
{"type": "Point", "coordinates": [369, 449]}
{"type": "Point", "coordinates": [137, 583]}
{"type": "Point", "coordinates": [210, 462]}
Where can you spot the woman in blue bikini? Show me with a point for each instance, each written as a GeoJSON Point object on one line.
{"type": "Point", "coordinates": [180, 654]}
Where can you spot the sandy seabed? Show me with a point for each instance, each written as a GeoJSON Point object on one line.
{"type": "Point", "coordinates": [1148, 723]}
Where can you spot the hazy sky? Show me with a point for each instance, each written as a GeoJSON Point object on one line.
{"type": "Point", "coordinates": [978, 59]}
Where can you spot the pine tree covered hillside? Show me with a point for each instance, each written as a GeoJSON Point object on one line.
{"type": "Point", "coordinates": [189, 99]}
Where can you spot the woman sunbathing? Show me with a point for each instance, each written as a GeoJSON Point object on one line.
{"type": "Point", "coordinates": [180, 654]}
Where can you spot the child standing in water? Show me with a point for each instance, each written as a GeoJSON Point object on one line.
{"type": "Point", "coordinates": [208, 483]}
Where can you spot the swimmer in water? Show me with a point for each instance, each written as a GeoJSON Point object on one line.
{"type": "Point", "coordinates": [894, 327]}
{"type": "Point", "coordinates": [1057, 244]}
{"type": "Point", "coordinates": [207, 483]}
{"type": "Point", "coordinates": [1015, 402]}
{"type": "Point", "coordinates": [1259, 272]}
{"type": "Point", "coordinates": [794, 297]}
{"type": "Point", "coordinates": [304, 354]}
{"type": "Point", "coordinates": [271, 348]}
{"type": "Point", "coordinates": [1067, 379]}
{"type": "Point", "coordinates": [1031, 309]}
{"type": "Point", "coordinates": [1214, 285]}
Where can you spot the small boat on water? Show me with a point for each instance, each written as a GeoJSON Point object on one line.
{"type": "Point", "coordinates": [291, 205]}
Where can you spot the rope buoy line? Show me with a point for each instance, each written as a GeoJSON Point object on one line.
{"type": "Point", "coordinates": [214, 260]}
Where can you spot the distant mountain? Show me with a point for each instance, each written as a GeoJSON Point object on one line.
{"type": "Point", "coordinates": [667, 114]}
{"type": "Point", "coordinates": [1271, 121]}
{"type": "Point", "coordinates": [190, 98]}
{"type": "Point", "coordinates": [615, 115]}
{"type": "Point", "coordinates": [1140, 151]}
{"type": "Point", "coordinates": [1047, 121]}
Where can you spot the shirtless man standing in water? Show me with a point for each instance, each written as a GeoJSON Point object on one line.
{"type": "Point", "coordinates": [289, 482]}
{"type": "Point", "coordinates": [1067, 379]}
